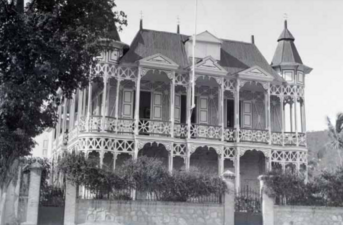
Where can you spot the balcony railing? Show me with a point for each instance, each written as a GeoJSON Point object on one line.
{"type": "Point", "coordinates": [180, 130]}
{"type": "Point", "coordinates": [206, 131]}
{"type": "Point", "coordinates": [154, 127]}
{"type": "Point", "coordinates": [277, 138]}
{"type": "Point", "coordinates": [203, 131]}
{"type": "Point", "coordinates": [257, 136]}
{"type": "Point", "coordinates": [230, 134]}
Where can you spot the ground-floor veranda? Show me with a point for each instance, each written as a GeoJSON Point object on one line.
{"type": "Point", "coordinates": [247, 161]}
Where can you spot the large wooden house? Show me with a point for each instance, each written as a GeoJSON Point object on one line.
{"type": "Point", "coordinates": [249, 115]}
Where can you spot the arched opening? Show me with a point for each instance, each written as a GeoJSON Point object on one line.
{"type": "Point", "coordinates": [94, 157]}
{"type": "Point", "coordinates": [108, 161]}
{"type": "Point", "coordinates": [155, 150]}
{"type": "Point", "coordinates": [205, 160]}
{"type": "Point", "coordinates": [229, 165]}
{"type": "Point", "coordinates": [178, 163]}
{"type": "Point", "coordinates": [121, 158]}
{"type": "Point", "coordinates": [252, 165]}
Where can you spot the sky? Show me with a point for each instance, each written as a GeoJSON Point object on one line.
{"type": "Point", "coordinates": [316, 25]}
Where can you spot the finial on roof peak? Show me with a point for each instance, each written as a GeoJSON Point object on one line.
{"type": "Point", "coordinates": [285, 24]}
{"type": "Point", "coordinates": [141, 22]}
{"type": "Point", "coordinates": [252, 39]}
{"type": "Point", "coordinates": [178, 25]}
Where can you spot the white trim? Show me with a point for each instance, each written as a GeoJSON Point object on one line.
{"type": "Point", "coordinates": [158, 61]}
{"type": "Point", "coordinates": [256, 73]}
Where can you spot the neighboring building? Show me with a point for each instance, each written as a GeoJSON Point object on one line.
{"type": "Point", "coordinates": [43, 146]}
{"type": "Point", "coordinates": [141, 106]}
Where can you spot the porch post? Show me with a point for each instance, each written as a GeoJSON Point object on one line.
{"type": "Point", "coordinates": [138, 89]}
{"type": "Point", "coordinates": [89, 106]}
{"type": "Point", "coordinates": [103, 106]}
{"type": "Point", "coordinates": [188, 157]}
{"type": "Point", "coordinates": [172, 99]}
{"type": "Point", "coordinates": [84, 104]}
{"type": "Point", "coordinates": [58, 126]}
{"type": "Point", "coordinates": [221, 162]}
{"type": "Point", "coordinates": [116, 109]}
{"type": "Point", "coordinates": [269, 115]}
{"type": "Point", "coordinates": [64, 122]}
{"type": "Point", "coordinates": [115, 156]}
{"type": "Point", "coordinates": [101, 158]}
{"type": "Point", "coordinates": [291, 115]}
{"type": "Point", "coordinates": [282, 113]}
{"type": "Point", "coordinates": [72, 112]}
{"type": "Point", "coordinates": [303, 115]}
{"type": "Point", "coordinates": [188, 110]}
{"type": "Point", "coordinates": [170, 161]}
{"type": "Point", "coordinates": [221, 109]}
{"type": "Point", "coordinates": [79, 107]}
{"type": "Point", "coordinates": [238, 170]}
{"type": "Point", "coordinates": [237, 115]}
{"type": "Point", "coordinates": [296, 118]}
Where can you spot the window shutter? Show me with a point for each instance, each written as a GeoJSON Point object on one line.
{"type": "Point", "coordinates": [127, 109]}
{"type": "Point", "coordinates": [157, 106]}
{"type": "Point", "coordinates": [247, 114]}
{"type": "Point", "coordinates": [177, 109]}
{"type": "Point", "coordinates": [203, 110]}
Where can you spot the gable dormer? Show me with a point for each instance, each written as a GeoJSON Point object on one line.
{"type": "Point", "coordinates": [206, 45]}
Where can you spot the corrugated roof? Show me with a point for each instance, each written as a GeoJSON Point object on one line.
{"type": "Point", "coordinates": [235, 56]}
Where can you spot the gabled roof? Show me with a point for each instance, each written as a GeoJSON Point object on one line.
{"type": "Point", "coordinates": [206, 37]}
{"type": "Point", "coordinates": [236, 56]}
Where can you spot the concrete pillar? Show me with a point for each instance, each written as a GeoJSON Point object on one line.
{"type": "Point", "coordinates": [33, 198]}
{"type": "Point", "coordinates": [70, 204]}
{"type": "Point", "coordinates": [229, 201]}
{"type": "Point", "coordinates": [267, 202]}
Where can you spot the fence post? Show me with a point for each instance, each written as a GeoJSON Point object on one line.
{"type": "Point", "coordinates": [267, 202]}
{"type": "Point", "coordinates": [229, 201]}
{"type": "Point", "coordinates": [70, 204]}
{"type": "Point", "coordinates": [34, 191]}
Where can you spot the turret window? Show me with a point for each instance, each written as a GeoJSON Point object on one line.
{"type": "Point", "coordinates": [300, 77]}
{"type": "Point", "coordinates": [288, 75]}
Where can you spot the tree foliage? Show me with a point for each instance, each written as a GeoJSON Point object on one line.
{"type": "Point", "coordinates": [336, 136]}
{"type": "Point", "coordinates": [51, 45]}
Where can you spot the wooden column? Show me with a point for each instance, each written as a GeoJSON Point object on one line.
{"type": "Point", "coordinates": [188, 109]}
{"type": "Point", "coordinates": [72, 112]}
{"type": "Point", "coordinates": [138, 89]}
{"type": "Point", "coordinates": [237, 114]}
{"type": "Point", "coordinates": [282, 113]}
{"type": "Point", "coordinates": [170, 161]}
{"type": "Point", "coordinates": [84, 104]}
{"type": "Point", "coordinates": [172, 105]}
{"type": "Point", "coordinates": [238, 170]}
{"type": "Point", "coordinates": [303, 116]}
{"type": "Point", "coordinates": [221, 109]}
{"type": "Point", "coordinates": [116, 109]}
{"type": "Point", "coordinates": [103, 106]}
{"type": "Point", "coordinates": [291, 115]}
{"type": "Point", "coordinates": [269, 116]}
{"type": "Point", "coordinates": [79, 106]}
{"type": "Point", "coordinates": [65, 111]}
{"type": "Point", "coordinates": [89, 106]}
{"type": "Point", "coordinates": [296, 118]}
{"type": "Point", "coordinates": [59, 119]}
{"type": "Point", "coordinates": [221, 162]}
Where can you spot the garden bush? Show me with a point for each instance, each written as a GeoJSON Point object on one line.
{"type": "Point", "coordinates": [147, 175]}
{"type": "Point", "coordinates": [325, 189]}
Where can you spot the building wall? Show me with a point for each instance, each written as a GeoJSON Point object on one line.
{"type": "Point", "coordinates": [144, 213]}
{"type": "Point", "coordinates": [307, 215]}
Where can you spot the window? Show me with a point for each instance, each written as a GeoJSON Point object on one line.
{"type": "Point", "coordinates": [288, 75]}
{"type": "Point", "coordinates": [300, 77]}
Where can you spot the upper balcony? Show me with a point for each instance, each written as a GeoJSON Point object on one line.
{"type": "Point", "coordinates": [154, 99]}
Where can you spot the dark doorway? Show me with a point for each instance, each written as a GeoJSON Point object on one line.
{"type": "Point", "coordinates": [144, 105]}
{"type": "Point", "coordinates": [230, 108]}
{"type": "Point", "coordinates": [184, 110]}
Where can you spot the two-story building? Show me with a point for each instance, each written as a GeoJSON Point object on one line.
{"type": "Point", "coordinates": [249, 115]}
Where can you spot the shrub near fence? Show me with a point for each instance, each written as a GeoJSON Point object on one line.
{"type": "Point", "coordinates": [147, 176]}
{"type": "Point", "coordinates": [291, 189]}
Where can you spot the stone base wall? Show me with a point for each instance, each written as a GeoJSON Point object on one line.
{"type": "Point", "coordinates": [147, 213]}
{"type": "Point", "coordinates": [307, 215]}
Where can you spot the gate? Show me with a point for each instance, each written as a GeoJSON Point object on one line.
{"type": "Point", "coordinates": [248, 207]}
{"type": "Point", "coordinates": [51, 205]}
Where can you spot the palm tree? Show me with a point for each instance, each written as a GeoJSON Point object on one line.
{"type": "Point", "coordinates": [336, 136]}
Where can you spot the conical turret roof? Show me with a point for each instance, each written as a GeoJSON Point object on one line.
{"type": "Point", "coordinates": [286, 52]}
